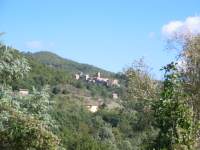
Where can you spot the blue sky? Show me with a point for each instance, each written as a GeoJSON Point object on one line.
{"type": "Point", "coordinates": [109, 34]}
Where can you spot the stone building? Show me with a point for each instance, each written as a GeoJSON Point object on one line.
{"type": "Point", "coordinates": [93, 106]}
{"type": "Point", "coordinates": [23, 92]}
{"type": "Point", "coordinates": [115, 96]}
{"type": "Point", "coordinates": [77, 76]}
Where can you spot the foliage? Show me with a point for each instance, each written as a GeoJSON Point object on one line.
{"type": "Point", "coordinates": [139, 81]}
{"type": "Point", "coordinates": [41, 75]}
{"type": "Point", "coordinates": [137, 121]}
{"type": "Point", "coordinates": [25, 122]}
{"type": "Point", "coordinates": [173, 116]}
{"type": "Point", "coordinates": [77, 127]}
{"type": "Point", "coordinates": [190, 71]}
{"type": "Point", "coordinates": [12, 65]}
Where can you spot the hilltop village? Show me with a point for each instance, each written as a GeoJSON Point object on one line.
{"type": "Point", "coordinates": [93, 106]}
{"type": "Point", "coordinates": [97, 79]}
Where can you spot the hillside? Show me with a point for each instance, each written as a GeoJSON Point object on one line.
{"type": "Point", "coordinates": [50, 69]}
{"type": "Point", "coordinates": [72, 67]}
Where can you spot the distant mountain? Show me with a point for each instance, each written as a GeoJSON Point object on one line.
{"type": "Point", "coordinates": [53, 60]}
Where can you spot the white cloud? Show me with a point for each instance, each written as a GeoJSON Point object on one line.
{"type": "Point", "coordinates": [190, 25]}
{"type": "Point", "coordinates": [193, 24]}
{"type": "Point", "coordinates": [34, 44]}
{"type": "Point", "coordinates": [172, 27]}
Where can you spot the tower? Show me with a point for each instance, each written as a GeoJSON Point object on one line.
{"type": "Point", "coordinates": [99, 75]}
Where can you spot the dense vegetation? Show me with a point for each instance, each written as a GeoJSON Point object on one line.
{"type": "Point", "coordinates": [25, 121]}
{"type": "Point", "coordinates": [153, 115]}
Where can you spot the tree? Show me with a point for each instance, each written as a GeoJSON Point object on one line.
{"type": "Point", "coordinates": [141, 92]}
{"type": "Point", "coordinates": [173, 116]}
{"type": "Point", "coordinates": [188, 47]}
{"type": "Point", "coordinates": [25, 122]}
{"type": "Point", "coordinates": [12, 65]}
{"type": "Point", "coordinates": [140, 84]}
{"type": "Point", "coordinates": [190, 69]}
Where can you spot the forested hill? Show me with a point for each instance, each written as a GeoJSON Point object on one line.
{"type": "Point", "coordinates": [50, 69]}
{"type": "Point", "coordinates": [53, 60]}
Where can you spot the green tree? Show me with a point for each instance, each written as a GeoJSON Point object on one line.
{"type": "Point", "coordinates": [137, 116]}
{"type": "Point", "coordinates": [190, 70]}
{"type": "Point", "coordinates": [24, 121]}
{"type": "Point", "coordinates": [140, 84]}
{"type": "Point", "coordinates": [173, 116]}
{"type": "Point", "coordinates": [12, 65]}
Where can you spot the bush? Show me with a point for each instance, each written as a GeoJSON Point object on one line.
{"type": "Point", "coordinates": [25, 122]}
{"type": "Point", "coordinates": [56, 90]}
{"type": "Point", "coordinates": [22, 132]}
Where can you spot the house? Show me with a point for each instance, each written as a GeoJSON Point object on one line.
{"type": "Point", "coordinates": [115, 82]}
{"type": "Point", "coordinates": [23, 92]}
{"type": "Point", "coordinates": [115, 96]}
{"type": "Point", "coordinates": [97, 79]}
{"type": "Point", "coordinates": [87, 77]}
{"type": "Point", "coordinates": [77, 76]}
{"type": "Point", "coordinates": [93, 106]}
{"type": "Point", "coordinates": [98, 74]}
